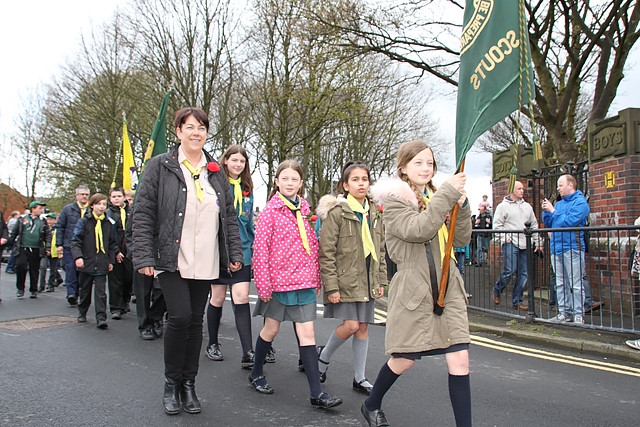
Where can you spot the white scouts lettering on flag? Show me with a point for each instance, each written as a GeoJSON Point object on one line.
{"type": "Point", "coordinates": [481, 14]}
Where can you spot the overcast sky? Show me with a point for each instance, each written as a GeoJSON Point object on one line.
{"type": "Point", "coordinates": [38, 36]}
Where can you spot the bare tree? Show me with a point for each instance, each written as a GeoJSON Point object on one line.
{"type": "Point", "coordinates": [320, 105]}
{"type": "Point", "coordinates": [84, 110]}
{"type": "Point", "coordinates": [576, 46]}
{"type": "Point", "coordinates": [32, 131]}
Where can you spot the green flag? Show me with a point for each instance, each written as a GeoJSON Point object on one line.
{"type": "Point", "coordinates": [495, 68]}
{"type": "Point", "coordinates": [158, 142]}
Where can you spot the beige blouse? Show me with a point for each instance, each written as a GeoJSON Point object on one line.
{"type": "Point", "coordinates": [199, 256]}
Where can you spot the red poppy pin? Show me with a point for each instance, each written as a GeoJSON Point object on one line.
{"type": "Point", "coordinates": [314, 218]}
{"type": "Point", "coordinates": [213, 167]}
{"type": "Point", "coordinates": [380, 209]}
{"type": "Point", "coordinates": [245, 193]}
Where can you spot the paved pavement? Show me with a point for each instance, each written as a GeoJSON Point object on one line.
{"type": "Point", "coordinates": [55, 372]}
{"type": "Point", "coordinates": [581, 339]}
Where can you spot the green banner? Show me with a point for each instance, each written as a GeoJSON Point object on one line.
{"type": "Point", "coordinates": [158, 142]}
{"type": "Point", "coordinates": [494, 59]}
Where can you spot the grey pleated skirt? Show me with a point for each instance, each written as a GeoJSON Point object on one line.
{"type": "Point", "coordinates": [360, 311]}
{"type": "Point", "coordinates": [274, 309]}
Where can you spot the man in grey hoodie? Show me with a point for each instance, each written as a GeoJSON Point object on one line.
{"type": "Point", "coordinates": [511, 214]}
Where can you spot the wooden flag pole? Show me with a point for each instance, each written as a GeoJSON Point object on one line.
{"type": "Point", "coordinates": [438, 308]}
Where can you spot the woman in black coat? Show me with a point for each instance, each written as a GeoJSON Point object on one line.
{"type": "Point", "coordinates": [184, 233]}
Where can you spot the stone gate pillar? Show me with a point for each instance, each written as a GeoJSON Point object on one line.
{"type": "Point", "coordinates": [614, 187]}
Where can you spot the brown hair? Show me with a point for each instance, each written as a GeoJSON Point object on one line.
{"type": "Point", "coordinates": [406, 153]}
{"type": "Point", "coordinates": [245, 176]}
{"type": "Point", "coordinates": [184, 113]}
{"type": "Point", "coordinates": [287, 164]}
{"type": "Point", "coordinates": [96, 198]}
{"type": "Point", "coordinates": [116, 190]}
{"type": "Point", "coordinates": [346, 172]}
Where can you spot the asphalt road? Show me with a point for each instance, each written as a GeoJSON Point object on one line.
{"type": "Point", "coordinates": [55, 372]}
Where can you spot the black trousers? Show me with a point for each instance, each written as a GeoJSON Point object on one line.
{"type": "Point", "coordinates": [185, 299]}
{"type": "Point", "coordinates": [28, 260]}
{"type": "Point", "coordinates": [150, 304]}
{"type": "Point", "coordinates": [98, 283]}
{"type": "Point", "coordinates": [120, 281]}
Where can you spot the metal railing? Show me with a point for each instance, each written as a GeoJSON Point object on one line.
{"type": "Point", "coordinates": [605, 271]}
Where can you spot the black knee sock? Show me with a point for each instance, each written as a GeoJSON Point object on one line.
{"type": "Point", "coordinates": [460, 395]}
{"type": "Point", "coordinates": [243, 325]}
{"type": "Point", "coordinates": [213, 322]}
{"type": "Point", "coordinates": [309, 356]}
{"type": "Point", "coordinates": [386, 378]}
{"type": "Point", "coordinates": [262, 348]}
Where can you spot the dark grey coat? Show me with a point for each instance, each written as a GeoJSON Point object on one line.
{"type": "Point", "coordinates": [158, 216]}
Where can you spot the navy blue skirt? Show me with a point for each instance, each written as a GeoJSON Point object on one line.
{"type": "Point", "coordinates": [435, 352]}
{"type": "Point", "coordinates": [240, 276]}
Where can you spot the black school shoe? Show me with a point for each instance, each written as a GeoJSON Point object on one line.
{"type": "Point", "coordinates": [147, 334]}
{"type": "Point", "coordinates": [374, 418]}
{"type": "Point", "coordinates": [325, 401]}
{"type": "Point", "coordinates": [358, 386]}
{"type": "Point", "coordinates": [247, 360]}
{"type": "Point", "coordinates": [158, 329]}
{"type": "Point", "coordinates": [264, 389]}
{"type": "Point", "coordinates": [102, 324]}
{"type": "Point", "coordinates": [271, 356]}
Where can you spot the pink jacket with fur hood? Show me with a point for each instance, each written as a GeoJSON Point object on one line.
{"type": "Point", "coordinates": [280, 262]}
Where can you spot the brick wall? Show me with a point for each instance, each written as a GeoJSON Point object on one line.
{"type": "Point", "coordinates": [619, 205]}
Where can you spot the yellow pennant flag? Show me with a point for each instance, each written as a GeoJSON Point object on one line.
{"type": "Point", "coordinates": [129, 174]}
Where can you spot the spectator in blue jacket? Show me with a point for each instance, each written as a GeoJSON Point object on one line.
{"type": "Point", "coordinates": [567, 248]}
{"type": "Point", "coordinates": [65, 226]}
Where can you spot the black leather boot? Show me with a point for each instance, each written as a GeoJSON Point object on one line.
{"type": "Point", "coordinates": [171, 398]}
{"type": "Point", "coordinates": [190, 401]}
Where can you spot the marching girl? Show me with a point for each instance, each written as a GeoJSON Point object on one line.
{"type": "Point", "coordinates": [416, 235]}
{"type": "Point", "coordinates": [235, 162]}
{"type": "Point", "coordinates": [287, 276]}
{"type": "Point", "coordinates": [352, 265]}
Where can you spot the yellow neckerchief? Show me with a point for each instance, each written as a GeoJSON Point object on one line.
{"type": "Point", "coordinates": [301, 229]}
{"type": "Point", "coordinates": [83, 209]}
{"type": "Point", "coordinates": [443, 233]}
{"type": "Point", "coordinates": [196, 178]}
{"type": "Point", "coordinates": [123, 216]}
{"type": "Point", "coordinates": [54, 248]}
{"type": "Point", "coordinates": [367, 240]}
{"type": "Point", "coordinates": [237, 193]}
{"type": "Point", "coordinates": [99, 238]}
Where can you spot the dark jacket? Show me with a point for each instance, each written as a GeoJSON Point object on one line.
{"type": "Point", "coordinates": [483, 222]}
{"type": "Point", "coordinates": [4, 234]}
{"type": "Point", "coordinates": [118, 231]}
{"type": "Point", "coordinates": [158, 216]}
{"type": "Point", "coordinates": [83, 245]}
{"type": "Point", "coordinates": [67, 223]}
{"type": "Point", "coordinates": [15, 236]}
{"type": "Point", "coordinates": [128, 235]}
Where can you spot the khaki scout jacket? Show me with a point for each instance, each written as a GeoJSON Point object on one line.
{"type": "Point", "coordinates": [342, 263]}
{"type": "Point", "coordinates": [411, 324]}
